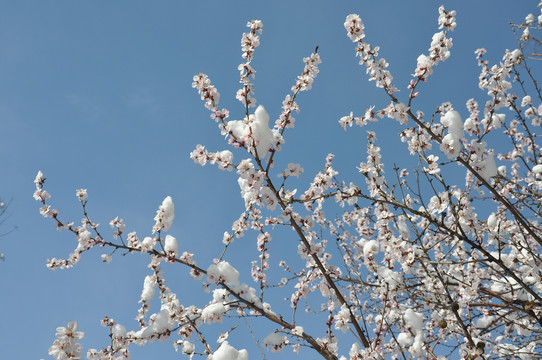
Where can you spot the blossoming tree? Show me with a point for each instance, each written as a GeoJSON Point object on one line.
{"type": "Point", "coordinates": [409, 269]}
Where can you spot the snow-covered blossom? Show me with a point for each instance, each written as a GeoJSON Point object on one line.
{"type": "Point", "coordinates": [149, 287]}
{"type": "Point", "coordinates": [188, 348]}
{"type": "Point", "coordinates": [440, 45]}
{"type": "Point", "coordinates": [223, 272]}
{"type": "Point", "coordinates": [224, 159]}
{"type": "Point", "coordinates": [165, 215]}
{"type": "Point", "coordinates": [424, 68]}
{"type": "Point", "coordinates": [450, 146]}
{"type": "Point", "coordinates": [509, 288]}
{"type": "Point", "coordinates": [414, 323]}
{"type": "Point", "coordinates": [254, 132]}
{"type": "Point", "coordinates": [526, 34]}
{"type": "Point", "coordinates": [171, 246]}
{"type": "Point", "coordinates": [227, 352]}
{"type": "Point", "coordinates": [526, 101]}
{"type": "Point", "coordinates": [275, 342]}
{"type": "Point", "coordinates": [298, 330]}
{"type": "Point", "coordinates": [496, 121]}
{"type": "Point", "coordinates": [488, 168]}
{"type": "Point", "coordinates": [147, 244]}
{"type": "Point", "coordinates": [213, 313]}
{"type": "Point", "coordinates": [452, 121]}
{"type": "Point", "coordinates": [516, 56]}
{"type": "Point", "coordinates": [371, 248]}
{"type": "Point", "coordinates": [118, 331]}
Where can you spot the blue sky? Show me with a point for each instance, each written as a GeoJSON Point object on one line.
{"type": "Point", "coordinates": [97, 95]}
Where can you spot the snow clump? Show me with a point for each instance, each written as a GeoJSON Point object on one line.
{"type": "Point", "coordinates": [228, 352]}
{"type": "Point", "coordinates": [257, 129]}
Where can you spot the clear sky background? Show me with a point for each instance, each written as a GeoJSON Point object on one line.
{"type": "Point", "coordinates": [97, 95]}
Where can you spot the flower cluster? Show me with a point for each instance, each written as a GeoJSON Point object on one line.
{"type": "Point", "coordinates": [495, 81]}
{"type": "Point", "coordinates": [286, 120]}
{"type": "Point", "coordinates": [224, 159]}
{"type": "Point", "coordinates": [369, 115]}
{"type": "Point", "coordinates": [208, 92]}
{"type": "Point", "coordinates": [305, 80]}
{"type": "Point", "coordinates": [397, 111]}
{"type": "Point", "coordinates": [304, 83]}
{"type": "Point", "coordinates": [249, 42]}
{"type": "Point", "coordinates": [292, 170]}
{"type": "Point", "coordinates": [376, 68]}
{"type": "Point", "coordinates": [440, 45]}
{"type": "Point", "coordinates": [66, 347]}
{"type": "Point", "coordinates": [529, 24]}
